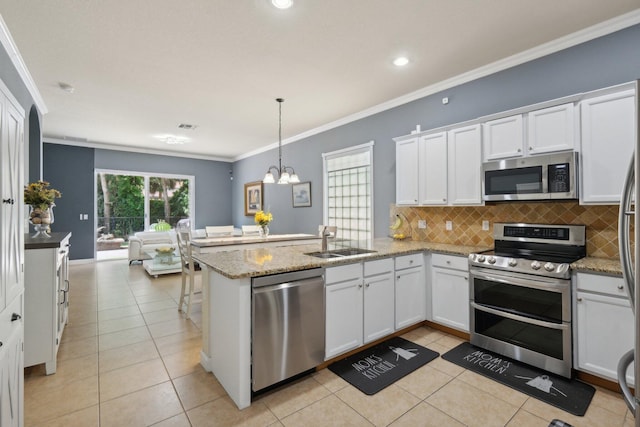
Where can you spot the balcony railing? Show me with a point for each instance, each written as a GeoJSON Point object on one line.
{"type": "Point", "coordinates": [125, 226]}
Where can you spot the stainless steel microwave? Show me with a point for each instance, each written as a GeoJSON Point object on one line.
{"type": "Point", "coordinates": [545, 177]}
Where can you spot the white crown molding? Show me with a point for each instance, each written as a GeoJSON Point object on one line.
{"type": "Point", "coordinates": [587, 34]}
{"type": "Point", "coordinates": [131, 149]}
{"type": "Point", "coordinates": [16, 59]}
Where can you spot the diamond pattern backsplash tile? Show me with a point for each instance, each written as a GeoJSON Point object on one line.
{"type": "Point", "coordinates": [601, 222]}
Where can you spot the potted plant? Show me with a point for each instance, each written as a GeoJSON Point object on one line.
{"type": "Point", "coordinates": [40, 199]}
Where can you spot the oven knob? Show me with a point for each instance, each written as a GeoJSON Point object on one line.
{"type": "Point", "coordinates": [491, 260]}
{"type": "Point", "coordinates": [481, 258]}
{"type": "Point", "coordinates": [549, 266]}
{"type": "Point", "coordinates": [513, 262]}
{"type": "Point", "coordinates": [535, 265]}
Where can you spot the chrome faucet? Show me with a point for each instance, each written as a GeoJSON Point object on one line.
{"type": "Point", "coordinates": [327, 231]}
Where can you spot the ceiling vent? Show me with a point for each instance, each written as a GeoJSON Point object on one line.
{"type": "Point", "coordinates": [186, 126]}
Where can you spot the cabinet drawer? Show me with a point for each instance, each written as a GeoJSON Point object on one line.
{"type": "Point", "coordinates": [7, 326]}
{"type": "Point", "coordinates": [342, 273]}
{"type": "Point", "coordinates": [406, 261]}
{"type": "Point", "coordinates": [601, 283]}
{"type": "Point", "coordinates": [379, 266]}
{"type": "Point", "coordinates": [450, 261]}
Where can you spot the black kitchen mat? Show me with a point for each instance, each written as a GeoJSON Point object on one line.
{"type": "Point", "coordinates": [569, 395]}
{"type": "Point", "coordinates": [375, 368]}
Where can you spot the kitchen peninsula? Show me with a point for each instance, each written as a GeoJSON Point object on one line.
{"type": "Point", "coordinates": [223, 243]}
{"type": "Point", "coordinates": [226, 306]}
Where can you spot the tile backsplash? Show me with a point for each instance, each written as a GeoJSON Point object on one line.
{"type": "Point", "coordinates": [601, 222]}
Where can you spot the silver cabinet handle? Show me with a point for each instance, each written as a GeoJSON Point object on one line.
{"type": "Point", "coordinates": [620, 287]}
{"type": "Point", "coordinates": [359, 285]}
{"type": "Point", "coordinates": [368, 284]}
{"type": "Point", "coordinates": [15, 316]}
{"type": "Point", "coordinates": [579, 299]}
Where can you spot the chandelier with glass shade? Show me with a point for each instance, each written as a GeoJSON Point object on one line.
{"type": "Point", "coordinates": [286, 174]}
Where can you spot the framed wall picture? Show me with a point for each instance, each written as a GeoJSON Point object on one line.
{"type": "Point", "coordinates": [301, 194]}
{"type": "Point", "coordinates": [252, 198]}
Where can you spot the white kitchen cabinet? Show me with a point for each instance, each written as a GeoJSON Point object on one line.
{"type": "Point", "coordinates": [464, 165]}
{"type": "Point", "coordinates": [503, 138]}
{"type": "Point", "coordinates": [450, 291]}
{"type": "Point", "coordinates": [46, 299]}
{"type": "Point", "coordinates": [551, 129]}
{"type": "Point", "coordinates": [607, 141]}
{"type": "Point", "coordinates": [432, 172]}
{"type": "Point", "coordinates": [359, 304]}
{"type": "Point", "coordinates": [407, 164]}
{"type": "Point", "coordinates": [603, 325]}
{"type": "Point", "coordinates": [11, 259]}
{"type": "Point", "coordinates": [547, 130]}
{"type": "Point", "coordinates": [378, 299]}
{"type": "Point", "coordinates": [410, 290]}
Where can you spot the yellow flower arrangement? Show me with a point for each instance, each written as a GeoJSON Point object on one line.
{"type": "Point", "coordinates": [39, 195]}
{"type": "Point", "coordinates": [262, 218]}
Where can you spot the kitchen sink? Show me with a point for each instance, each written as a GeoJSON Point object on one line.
{"type": "Point", "coordinates": [340, 253]}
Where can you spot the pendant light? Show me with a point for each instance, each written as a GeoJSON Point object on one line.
{"type": "Point", "coordinates": [284, 177]}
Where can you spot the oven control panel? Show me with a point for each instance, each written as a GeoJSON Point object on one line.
{"type": "Point", "coordinates": [518, 265]}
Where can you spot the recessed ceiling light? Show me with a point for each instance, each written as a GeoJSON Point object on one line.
{"type": "Point", "coordinates": [401, 61]}
{"type": "Point", "coordinates": [282, 4]}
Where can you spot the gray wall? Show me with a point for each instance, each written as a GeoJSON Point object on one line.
{"type": "Point", "coordinates": [71, 170]}
{"type": "Point", "coordinates": [606, 61]}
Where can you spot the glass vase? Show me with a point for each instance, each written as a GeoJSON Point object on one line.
{"type": "Point", "coordinates": [264, 230]}
{"type": "Point", "coordinates": [41, 219]}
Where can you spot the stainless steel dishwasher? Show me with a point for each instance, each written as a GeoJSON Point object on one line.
{"type": "Point", "coordinates": [287, 325]}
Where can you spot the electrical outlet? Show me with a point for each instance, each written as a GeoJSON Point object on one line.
{"type": "Point", "coordinates": [449, 225]}
{"type": "Point", "coordinates": [422, 223]}
{"type": "Point", "coordinates": [86, 216]}
{"type": "Point", "coordinates": [485, 225]}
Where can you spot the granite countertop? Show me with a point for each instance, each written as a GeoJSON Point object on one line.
{"type": "Point", "coordinates": [236, 264]}
{"type": "Point", "coordinates": [240, 240]}
{"type": "Point", "coordinates": [598, 265]}
{"type": "Point", "coordinates": [45, 242]}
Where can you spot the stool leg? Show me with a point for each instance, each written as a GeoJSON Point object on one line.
{"type": "Point", "coordinates": [184, 282]}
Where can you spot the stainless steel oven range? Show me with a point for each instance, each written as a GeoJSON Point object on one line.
{"type": "Point", "coordinates": [521, 293]}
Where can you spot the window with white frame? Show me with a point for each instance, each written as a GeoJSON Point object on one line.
{"type": "Point", "coordinates": [348, 194]}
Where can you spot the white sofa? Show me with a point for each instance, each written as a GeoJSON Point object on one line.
{"type": "Point", "coordinates": [144, 241]}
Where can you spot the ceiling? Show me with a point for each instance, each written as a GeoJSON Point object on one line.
{"type": "Point", "coordinates": [140, 68]}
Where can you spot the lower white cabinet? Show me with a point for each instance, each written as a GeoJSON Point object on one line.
{"type": "Point", "coordinates": [603, 325]}
{"type": "Point", "coordinates": [450, 291]}
{"type": "Point", "coordinates": [410, 290]}
{"type": "Point", "coordinates": [11, 374]}
{"type": "Point", "coordinates": [359, 302]}
{"type": "Point", "coordinates": [46, 299]}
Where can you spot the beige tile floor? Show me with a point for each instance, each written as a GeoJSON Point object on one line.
{"type": "Point", "coordinates": [128, 358]}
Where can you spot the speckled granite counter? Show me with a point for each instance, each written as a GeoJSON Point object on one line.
{"type": "Point", "coordinates": [598, 265]}
{"type": "Point", "coordinates": [236, 264]}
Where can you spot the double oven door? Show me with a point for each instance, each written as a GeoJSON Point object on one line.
{"type": "Point", "coordinates": [522, 316]}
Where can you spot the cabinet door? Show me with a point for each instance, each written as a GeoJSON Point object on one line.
{"type": "Point", "coordinates": [551, 129]}
{"type": "Point", "coordinates": [344, 317]}
{"type": "Point", "coordinates": [407, 172]}
{"type": "Point", "coordinates": [605, 332]}
{"type": "Point", "coordinates": [464, 166]}
{"type": "Point", "coordinates": [12, 381]}
{"type": "Point", "coordinates": [378, 306]}
{"type": "Point", "coordinates": [432, 182]}
{"type": "Point", "coordinates": [503, 138]}
{"type": "Point", "coordinates": [450, 298]}
{"type": "Point", "coordinates": [608, 138]}
{"type": "Point", "coordinates": [12, 237]}
{"type": "Point", "coordinates": [410, 297]}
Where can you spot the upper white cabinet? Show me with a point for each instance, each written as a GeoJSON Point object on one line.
{"type": "Point", "coordinates": [440, 168]}
{"type": "Point", "coordinates": [551, 129]}
{"type": "Point", "coordinates": [503, 137]}
{"type": "Point", "coordinates": [536, 132]}
{"type": "Point", "coordinates": [464, 166]}
{"type": "Point", "coordinates": [407, 164]}
{"type": "Point", "coordinates": [607, 128]}
{"type": "Point", "coordinates": [432, 174]}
